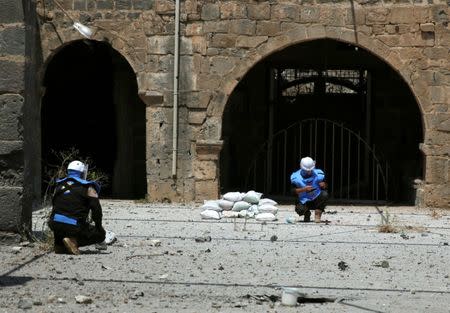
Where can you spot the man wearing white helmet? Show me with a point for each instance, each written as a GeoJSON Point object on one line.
{"type": "Point", "coordinates": [73, 199]}
{"type": "Point", "coordinates": [308, 184]}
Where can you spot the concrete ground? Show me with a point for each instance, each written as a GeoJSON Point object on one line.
{"type": "Point", "coordinates": [242, 268]}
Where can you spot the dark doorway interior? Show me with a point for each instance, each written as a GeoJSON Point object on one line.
{"type": "Point", "coordinates": [332, 81]}
{"type": "Point", "coordinates": [91, 104]}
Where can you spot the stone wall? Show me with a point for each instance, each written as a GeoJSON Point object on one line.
{"type": "Point", "coordinates": [12, 67]}
{"type": "Point", "coordinates": [222, 40]}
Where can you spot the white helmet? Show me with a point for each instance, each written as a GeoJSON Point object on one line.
{"type": "Point", "coordinates": [76, 166]}
{"type": "Point", "coordinates": [307, 164]}
{"type": "Point", "coordinates": [79, 167]}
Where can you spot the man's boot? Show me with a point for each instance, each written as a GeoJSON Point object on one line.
{"type": "Point", "coordinates": [59, 249]}
{"type": "Point", "coordinates": [71, 245]}
{"type": "Point", "coordinates": [307, 217]}
{"type": "Point", "coordinates": [317, 215]}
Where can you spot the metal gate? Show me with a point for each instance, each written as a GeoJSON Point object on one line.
{"type": "Point", "coordinates": [353, 170]}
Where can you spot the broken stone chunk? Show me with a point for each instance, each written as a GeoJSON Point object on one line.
{"type": "Point", "coordinates": [83, 299]}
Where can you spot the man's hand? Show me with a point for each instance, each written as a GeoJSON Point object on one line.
{"type": "Point", "coordinates": [323, 185]}
{"type": "Point", "coordinates": [304, 189]}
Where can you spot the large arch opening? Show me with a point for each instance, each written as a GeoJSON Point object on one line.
{"type": "Point", "coordinates": [331, 100]}
{"type": "Point", "coordinates": [91, 105]}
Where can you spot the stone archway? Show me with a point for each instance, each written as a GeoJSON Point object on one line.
{"type": "Point", "coordinates": [377, 49]}
{"type": "Point", "coordinates": [91, 103]}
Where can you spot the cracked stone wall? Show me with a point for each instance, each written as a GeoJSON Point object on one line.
{"type": "Point", "coordinates": [222, 40]}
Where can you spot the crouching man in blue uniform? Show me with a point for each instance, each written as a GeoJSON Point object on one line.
{"type": "Point", "coordinates": [73, 199]}
{"type": "Point", "coordinates": [308, 184]}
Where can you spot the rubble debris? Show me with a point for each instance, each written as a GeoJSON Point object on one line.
{"type": "Point", "coordinates": [155, 243]}
{"type": "Point", "coordinates": [25, 304]}
{"type": "Point", "coordinates": [16, 249]}
{"type": "Point", "coordinates": [342, 265]}
{"type": "Point", "coordinates": [203, 239]}
{"type": "Point", "coordinates": [274, 238]}
{"type": "Point", "coordinates": [83, 299]}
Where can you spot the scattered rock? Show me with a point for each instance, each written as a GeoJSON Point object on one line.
{"type": "Point", "coordinates": [104, 267]}
{"type": "Point", "coordinates": [203, 239]}
{"type": "Point", "coordinates": [25, 243]}
{"type": "Point", "coordinates": [404, 236]}
{"type": "Point", "coordinates": [164, 276]}
{"type": "Point", "coordinates": [60, 301]}
{"type": "Point", "coordinates": [83, 299]}
{"type": "Point", "coordinates": [274, 238]}
{"type": "Point", "coordinates": [221, 268]}
{"type": "Point", "coordinates": [385, 264]}
{"type": "Point", "coordinates": [37, 302]}
{"type": "Point", "coordinates": [342, 265]}
{"type": "Point", "coordinates": [16, 249]}
{"type": "Point", "coordinates": [25, 304]}
{"type": "Point", "coordinates": [208, 250]}
{"type": "Point", "coordinates": [155, 243]}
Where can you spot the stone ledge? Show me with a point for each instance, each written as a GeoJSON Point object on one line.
{"type": "Point", "coordinates": [208, 149]}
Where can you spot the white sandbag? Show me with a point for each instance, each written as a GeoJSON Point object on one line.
{"type": "Point", "coordinates": [268, 208]}
{"type": "Point", "coordinates": [267, 201]}
{"type": "Point", "coordinates": [225, 204]}
{"type": "Point", "coordinates": [250, 214]}
{"type": "Point", "coordinates": [265, 217]}
{"type": "Point", "coordinates": [210, 215]}
{"type": "Point", "coordinates": [242, 213]}
{"type": "Point", "coordinates": [233, 196]}
{"type": "Point", "coordinates": [230, 214]}
{"type": "Point", "coordinates": [240, 205]}
{"type": "Point", "coordinates": [253, 209]}
{"type": "Point", "coordinates": [211, 205]}
{"type": "Point", "coordinates": [252, 197]}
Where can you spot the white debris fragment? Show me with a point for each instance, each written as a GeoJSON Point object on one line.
{"type": "Point", "coordinates": [210, 215]}
{"type": "Point", "coordinates": [83, 299]}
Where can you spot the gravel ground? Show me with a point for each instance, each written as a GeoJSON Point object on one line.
{"type": "Point", "coordinates": [157, 265]}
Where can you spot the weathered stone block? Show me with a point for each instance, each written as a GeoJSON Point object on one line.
{"type": "Point", "coordinates": [260, 11]}
{"type": "Point", "coordinates": [377, 16]}
{"type": "Point", "coordinates": [233, 10]}
{"type": "Point", "coordinates": [206, 189]}
{"type": "Point", "coordinates": [437, 53]}
{"type": "Point", "coordinates": [205, 170]}
{"type": "Point", "coordinates": [316, 31]}
{"type": "Point", "coordinates": [250, 41]}
{"type": "Point", "coordinates": [160, 45]}
{"type": "Point", "coordinates": [11, 200]}
{"type": "Point", "coordinates": [309, 14]}
{"type": "Point", "coordinates": [123, 4]}
{"type": "Point", "coordinates": [12, 40]}
{"type": "Point", "coordinates": [196, 117]}
{"type": "Point", "coordinates": [243, 27]}
{"type": "Point", "coordinates": [79, 5]}
{"type": "Point", "coordinates": [427, 27]}
{"type": "Point", "coordinates": [333, 16]}
{"type": "Point", "coordinates": [267, 28]}
{"type": "Point", "coordinates": [437, 196]}
{"type": "Point", "coordinates": [210, 11]}
{"type": "Point", "coordinates": [165, 7]}
{"type": "Point", "coordinates": [221, 65]}
{"type": "Point", "coordinates": [285, 12]}
{"type": "Point", "coordinates": [11, 11]}
{"type": "Point", "coordinates": [197, 100]}
{"type": "Point", "coordinates": [223, 41]}
{"type": "Point", "coordinates": [10, 116]}
{"type": "Point", "coordinates": [142, 4]}
{"type": "Point", "coordinates": [437, 170]}
{"type": "Point", "coordinates": [11, 76]}
{"type": "Point", "coordinates": [194, 29]}
{"type": "Point", "coordinates": [216, 27]}
{"type": "Point", "coordinates": [390, 40]}
{"type": "Point", "coordinates": [402, 15]}
{"type": "Point", "coordinates": [105, 5]}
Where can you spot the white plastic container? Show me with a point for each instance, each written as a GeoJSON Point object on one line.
{"type": "Point", "coordinates": [289, 296]}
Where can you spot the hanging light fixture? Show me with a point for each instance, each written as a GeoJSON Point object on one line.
{"type": "Point", "coordinates": [82, 29]}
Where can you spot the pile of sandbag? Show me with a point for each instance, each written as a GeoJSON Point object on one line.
{"type": "Point", "coordinates": [239, 204]}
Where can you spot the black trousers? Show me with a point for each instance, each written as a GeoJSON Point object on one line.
{"type": "Point", "coordinates": [85, 234]}
{"type": "Point", "coordinates": [318, 203]}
